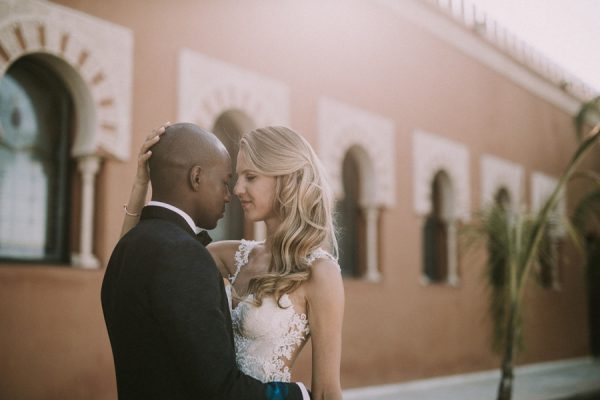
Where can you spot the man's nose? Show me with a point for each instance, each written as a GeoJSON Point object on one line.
{"type": "Point", "coordinates": [227, 194]}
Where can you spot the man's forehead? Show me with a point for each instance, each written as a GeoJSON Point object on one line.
{"type": "Point", "coordinates": [224, 164]}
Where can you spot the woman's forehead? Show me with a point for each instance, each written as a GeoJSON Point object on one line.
{"type": "Point", "coordinates": [242, 163]}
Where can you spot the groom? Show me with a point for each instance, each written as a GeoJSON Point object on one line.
{"type": "Point", "coordinates": [163, 298]}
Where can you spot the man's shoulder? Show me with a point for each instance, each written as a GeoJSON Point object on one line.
{"type": "Point", "coordinates": [159, 231]}
{"type": "Point", "coordinates": [157, 239]}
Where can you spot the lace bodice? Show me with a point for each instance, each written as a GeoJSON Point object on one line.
{"type": "Point", "coordinates": [266, 336]}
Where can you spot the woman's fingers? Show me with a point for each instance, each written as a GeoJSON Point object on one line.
{"type": "Point", "coordinates": [144, 157]}
{"type": "Point", "coordinates": [161, 129]}
{"type": "Point", "coordinates": [151, 140]}
{"type": "Point", "coordinates": [158, 131]}
{"type": "Point", "coordinates": [148, 143]}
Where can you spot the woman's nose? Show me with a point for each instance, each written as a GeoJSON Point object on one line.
{"type": "Point", "coordinates": [237, 188]}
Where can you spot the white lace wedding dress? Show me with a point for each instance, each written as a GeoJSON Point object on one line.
{"type": "Point", "coordinates": [266, 336]}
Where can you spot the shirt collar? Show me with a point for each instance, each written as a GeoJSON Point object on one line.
{"type": "Point", "coordinates": [185, 216]}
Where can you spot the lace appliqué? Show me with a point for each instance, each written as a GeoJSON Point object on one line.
{"type": "Point", "coordinates": [266, 336]}
{"type": "Point", "coordinates": [241, 257]}
{"type": "Point", "coordinates": [319, 253]}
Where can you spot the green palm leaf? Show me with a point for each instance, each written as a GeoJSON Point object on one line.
{"type": "Point", "coordinates": [515, 242]}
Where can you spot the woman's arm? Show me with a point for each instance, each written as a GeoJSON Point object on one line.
{"type": "Point", "coordinates": [223, 252]}
{"type": "Point", "coordinates": [139, 191]}
{"type": "Point", "coordinates": [325, 296]}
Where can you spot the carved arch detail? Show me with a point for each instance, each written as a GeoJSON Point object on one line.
{"type": "Point", "coordinates": [93, 57]}
{"type": "Point", "coordinates": [342, 127]}
{"type": "Point", "coordinates": [209, 87]}
{"type": "Point", "coordinates": [434, 153]}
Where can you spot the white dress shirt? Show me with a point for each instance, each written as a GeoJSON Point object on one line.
{"type": "Point", "coordinates": [185, 216]}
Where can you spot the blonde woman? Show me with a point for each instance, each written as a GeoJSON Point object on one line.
{"type": "Point", "coordinates": [288, 288]}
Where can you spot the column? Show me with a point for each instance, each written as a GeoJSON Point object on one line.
{"type": "Point", "coordinates": [88, 167]}
{"type": "Point", "coordinates": [371, 217]}
{"type": "Point", "coordinates": [452, 253]}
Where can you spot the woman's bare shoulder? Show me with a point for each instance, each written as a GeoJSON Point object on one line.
{"type": "Point", "coordinates": [324, 294]}
{"type": "Point", "coordinates": [324, 272]}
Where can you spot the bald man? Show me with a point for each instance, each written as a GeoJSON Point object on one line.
{"type": "Point", "coordinates": [163, 298]}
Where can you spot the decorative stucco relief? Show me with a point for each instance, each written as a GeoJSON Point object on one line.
{"type": "Point", "coordinates": [209, 87]}
{"type": "Point", "coordinates": [94, 57]}
{"type": "Point", "coordinates": [431, 154]}
{"type": "Point", "coordinates": [341, 127]}
{"type": "Point", "coordinates": [498, 173]}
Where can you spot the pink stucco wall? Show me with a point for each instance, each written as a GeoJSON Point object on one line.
{"type": "Point", "coordinates": [53, 341]}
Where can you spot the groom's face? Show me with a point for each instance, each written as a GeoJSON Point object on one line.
{"type": "Point", "coordinates": [215, 192]}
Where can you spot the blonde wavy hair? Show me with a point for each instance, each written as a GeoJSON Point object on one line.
{"type": "Point", "coordinates": [303, 201]}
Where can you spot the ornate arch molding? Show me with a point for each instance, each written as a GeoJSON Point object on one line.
{"type": "Point", "coordinates": [209, 87]}
{"type": "Point", "coordinates": [498, 173]}
{"type": "Point", "coordinates": [370, 139]}
{"type": "Point", "coordinates": [433, 153]}
{"type": "Point", "coordinates": [97, 58]}
{"type": "Point", "coordinates": [342, 127]}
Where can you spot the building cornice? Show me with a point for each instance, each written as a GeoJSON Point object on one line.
{"type": "Point", "coordinates": [497, 49]}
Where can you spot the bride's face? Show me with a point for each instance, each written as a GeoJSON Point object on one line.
{"type": "Point", "coordinates": [255, 191]}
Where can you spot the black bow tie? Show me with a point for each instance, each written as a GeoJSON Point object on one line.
{"type": "Point", "coordinates": [203, 237]}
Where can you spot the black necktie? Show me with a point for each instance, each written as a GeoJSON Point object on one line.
{"type": "Point", "coordinates": [203, 237]}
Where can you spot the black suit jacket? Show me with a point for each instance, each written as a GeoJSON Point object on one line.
{"type": "Point", "coordinates": [168, 319]}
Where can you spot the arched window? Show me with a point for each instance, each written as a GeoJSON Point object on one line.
{"type": "Point", "coordinates": [358, 217]}
{"type": "Point", "coordinates": [229, 128]}
{"type": "Point", "coordinates": [350, 220]}
{"type": "Point", "coordinates": [502, 199]}
{"type": "Point", "coordinates": [35, 128]}
{"type": "Point", "coordinates": [439, 233]}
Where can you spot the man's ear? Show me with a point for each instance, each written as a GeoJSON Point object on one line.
{"type": "Point", "coordinates": [196, 176]}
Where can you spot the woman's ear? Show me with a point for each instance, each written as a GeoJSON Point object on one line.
{"type": "Point", "coordinates": [196, 176]}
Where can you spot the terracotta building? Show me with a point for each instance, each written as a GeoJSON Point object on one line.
{"type": "Point", "coordinates": [421, 114]}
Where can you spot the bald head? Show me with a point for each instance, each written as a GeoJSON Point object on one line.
{"type": "Point", "coordinates": [181, 147]}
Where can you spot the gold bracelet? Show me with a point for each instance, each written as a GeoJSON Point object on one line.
{"type": "Point", "coordinates": [130, 213]}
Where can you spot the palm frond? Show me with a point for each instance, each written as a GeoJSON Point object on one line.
{"type": "Point", "coordinates": [544, 215]}
{"type": "Point", "coordinates": [587, 213]}
{"type": "Point", "coordinates": [497, 228]}
{"type": "Point", "coordinates": [587, 110]}
{"type": "Point", "coordinates": [515, 241]}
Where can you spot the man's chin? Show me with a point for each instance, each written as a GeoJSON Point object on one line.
{"type": "Point", "coordinates": [211, 226]}
{"type": "Point", "coordinates": [208, 225]}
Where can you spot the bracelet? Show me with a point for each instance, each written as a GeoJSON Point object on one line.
{"type": "Point", "coordinates": [130, 213]}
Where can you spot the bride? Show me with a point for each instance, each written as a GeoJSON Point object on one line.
{"type": "Point", "coordinates": [288, 288]}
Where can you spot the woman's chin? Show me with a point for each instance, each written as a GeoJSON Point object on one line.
{"type": "Point", "coordinates": [252, 218]}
